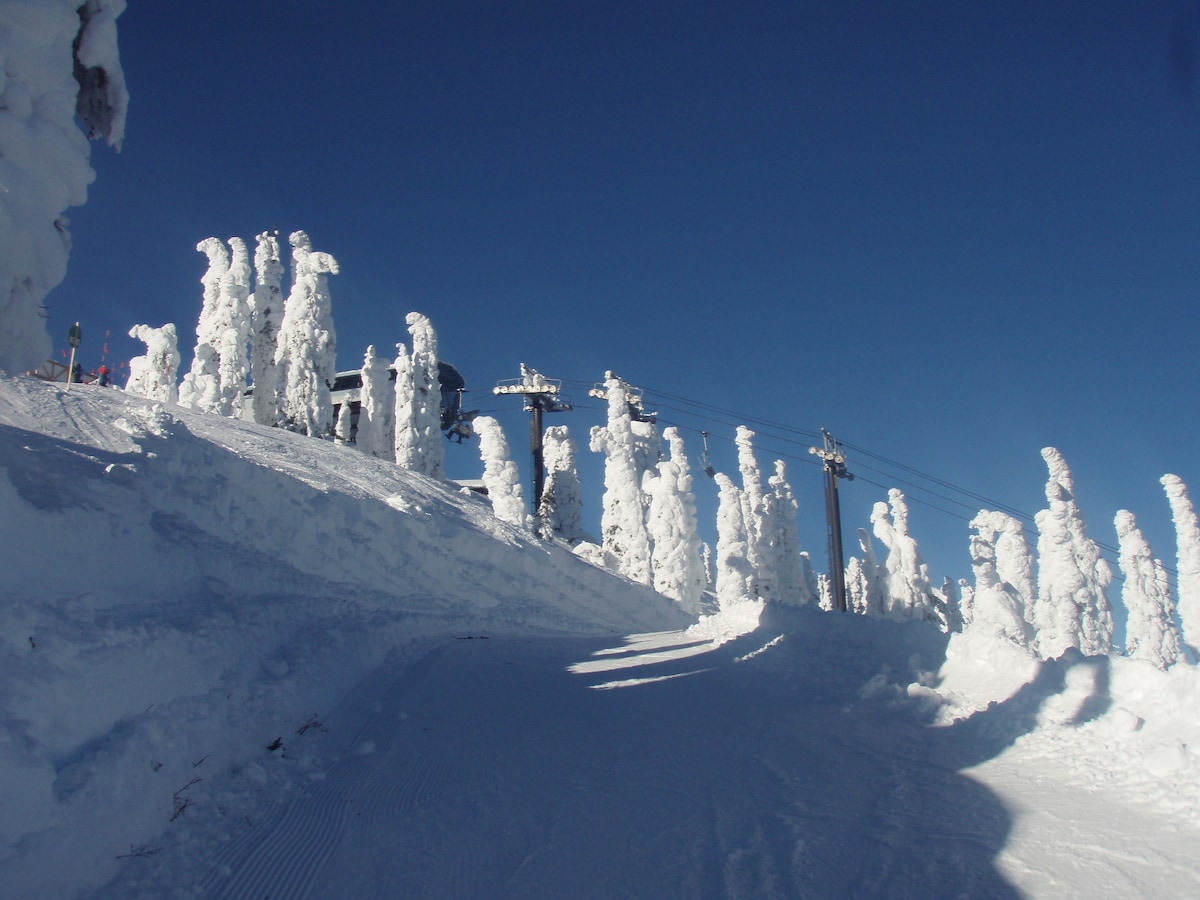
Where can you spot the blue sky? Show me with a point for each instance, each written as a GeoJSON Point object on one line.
{"type": "Point", "coordinates": [950, 233]}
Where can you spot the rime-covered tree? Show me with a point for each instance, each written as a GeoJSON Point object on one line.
{"type": "Point", "coordinates": [675, 555]}
{"type": "Point", "coordinates": [1014, 558]}
{"type": "Point", "coordinates": [419, 403]}
{"type": "Point", "coordinates": [376, 403]}
{"type": "Point", "coordinates": [344, 421]}
{"type": "Point", "coordinates": [201, 386]}
{"type": "Point", "coordinates": [1187, 535]}
{"type": "Point", "coordinates": [996, 607]}
{"type": "Point", "coordinates": [1150, 630]}
{"type": "Point", "coordinates": [560, 509]}
{"type": "Point", "coordinates": [624, 539]}
{"type": "Point", "coordinates": [154, 374]}
{"type": "Point", "coordinates": [232, 330]}
{"type": "Point", "coordinates": [760, 551]}
{"type": "Point", "coordinates": [500, 475]}
{"type": "Point", "coordinates": [733, 576]}
{"type": "Point", "coordinates": [60, 69]}
{"type": "Point", "coordinates": [307, 342]}
{"type": "Point", "coordinates": [871, 594]}
{"type": "Point", "coordinates": [908, 588]}
{"type": "Point", "coordinates": [266, 316]}
{"type": "Point", "coordinates": [1072, 608]}
{"type": "Point", "coordinates": [792, 569]}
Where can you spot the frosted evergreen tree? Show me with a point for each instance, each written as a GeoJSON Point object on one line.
{"type": "Point", "coordinates": [857, 589]}
{"type": "Point", "coordinates": [1150, 630]}
{"type": "Point", "coordinates": [201, 386]}
{"type": "Point", "coordinates": [307, 342]}
{"type": "Point", "coordinates": [1187, 534]}
{"type": "Point", "coordinates": [647, 449]}
{"type": "Point", "coordinates": [419, 403]}
{"type": "Point", "coordinates": [909, 594]}
{"type": "Point", "coordinates": [791, 569]}
{"type": "Point", "coordinates": [154, 374]}
{"type": "Point", "coordinates": [1014, 558]}
{"type": "Point", "coordinates": [675, 555]}
{"type": "Point", "coordinates": [60, 69]}
{"type": "Point", "coordinates": [403, 436]}
{"type": "Point", "coordinates": [560, 509]}
{"type": "Point", "coordinates": [376, 405]}
{"type": "Point", "coordinates": [759, 518]}
{"type": "Point", "coordinates": [344, 421]}
{"type": "Point", "coordinates": [733, 575]}
{"type": "Point", "coordinates": [266, 316]}
{"type": "Point", "coordinates": [232, 330]}
{"type": "Point", "coordinates": [996, 606]}
{"type": "Point", "coordinates": [624, 539]}
{"type": "Point", "coordinates": [500, 475]}
{"type": "Point", "coordinates": [1072, 608]}
{"type": "Point", "coordinates": [873, 579]}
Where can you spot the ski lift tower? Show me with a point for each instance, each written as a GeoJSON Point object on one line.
{"type": "Point", "coordinates": [541, 395]}
{"type": "Point", "coordinates": [835, 468]}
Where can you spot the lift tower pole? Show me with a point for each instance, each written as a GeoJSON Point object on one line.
{"type": "Point", "coordinates": [835, 468]}
{"type": "Point", "coordinates": [541, 395]}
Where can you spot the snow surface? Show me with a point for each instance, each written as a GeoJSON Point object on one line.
{"type": "Point", "coordinates": [458, 709]}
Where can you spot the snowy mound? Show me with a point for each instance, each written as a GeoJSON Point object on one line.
{"type": "Point", "coordinates": [178, 585]}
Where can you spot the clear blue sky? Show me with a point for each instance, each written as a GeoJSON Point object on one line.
{"type": "Point", "coordinates": [951, 233]}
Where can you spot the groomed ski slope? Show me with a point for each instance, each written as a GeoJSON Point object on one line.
{"type": "Point", "coordinates": [457, 710]}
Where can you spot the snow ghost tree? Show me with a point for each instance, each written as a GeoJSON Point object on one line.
{"type": "Point", "coordinates": [60, 61]}
{"type": "Point", "coordinates": [560, 510]}
{"type": "Point", "coordinates": [500, 475]}
{"type": "Point", "coordinates": [1150, 631]}
{"type": "Point", "coordinates": [1187, 536]}
{"type": "Point", "coordinates": [376, 403]}
{"type": "Point", "coordinates": [625, 541]}
{"type": "Point", "coordinates": [307, 342]}
{"type": "Point", "coordinates": [675, 556]}
{"type": "Point", "coordinates": [996, 606]}
{"type": "Point", "coordinates": [266, 314]}
{"type": "Point", "coordinates": [1072, 607]}
{"type": "Point", "coordinates": [760, 554]}
{"type": "Point", "coordinates": [733, 576]}
{"type": "Point", "coordinates": [1014, 558]}
{"type": "Point", "coordinates": [906, 577]}
{"type": "Point", "coordinates": [154, 374]}
{"type": "Point", "coordinates": [232, 330]}
{"type": "Point", "coordinates": [866, 586]}
{"type": "Point", "coordinates": [343, 423]}
{"type": "Point", "coordinates": [795, 580]}
{"type": "Point", "coordinates": [201, 387]}
{"type": "Point", "coordinates": [419, 402]}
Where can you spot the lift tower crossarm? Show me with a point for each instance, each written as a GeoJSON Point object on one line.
{"type": "Point", "coordinates": [541, 394]}
{"type": "Point", "coordinates": [834, 468]}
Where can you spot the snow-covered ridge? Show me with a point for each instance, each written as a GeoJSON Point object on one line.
{"type": "Point", "coordinates": [178, 585]}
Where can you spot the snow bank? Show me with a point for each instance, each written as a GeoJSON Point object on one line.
{"type": "Point", "coordinates": [181, 589]}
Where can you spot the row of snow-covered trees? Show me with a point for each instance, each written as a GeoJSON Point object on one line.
{"type": "Point", "coordinates": [1044, 599]}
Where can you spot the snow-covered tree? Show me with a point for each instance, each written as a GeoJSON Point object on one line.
{"type": "Point", "coordinates": [761, 553]}
{"type": "Point", "coordinates": [500, 475]}
{"type": "Point", "coordinates": [793, 572]}
{"type": "Point", "coordinates": [560, 509]}
{"type": "Point", "coordinates": [419, 403]}
{"type": "Point", "coordinates": [908, 588]}
{"type": "Point", "coordinates": [266, 316]}
{"type": "Point", "coordinates": [154, 374]}
{"type": "Point", "coordinates": [1187, 535]}
{"type": "Point", "coordinates": [625, 540]}
{"type": "Point", "coordinates": [307, 342]}
{"type": "Point", "coordinates": [733, 577]}
{"type": "Point", "coordinates": [1072, 608]}
{"type": "Point", "coordinates": [201, 386]}
{"type": "Point", "coordinates": [996, 606]}
{"type": "Point", "coordinates": [60, 68]}
{"type": "Point", "coordinates": [675, 556]}
{"type": "Point", "coordinates": [1014, 558]}
{"type": "Point", "coordinates": [344, 421]}
{"type": "Point", "coordinates": [232, 330]}
{"type": "Point", "coordinates": [1150, 631]}
{"type": "Point", "coordinates": [376, 404]}
{"type": "Point", "coordinates": [869, 597]}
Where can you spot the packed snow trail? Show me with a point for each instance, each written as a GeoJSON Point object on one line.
{"type": "Point", "coordinates": [509, 767]}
